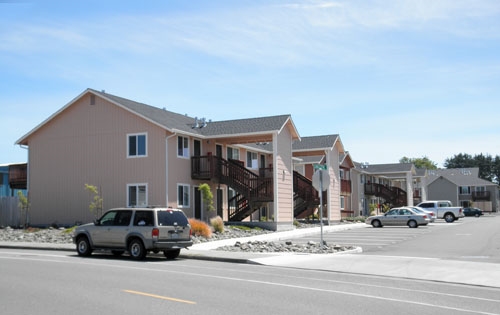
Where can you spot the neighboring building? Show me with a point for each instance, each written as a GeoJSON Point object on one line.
{"type": "Point", "coordinates": [462, 187]}
{"type": "Point", "coordinates": [137, 155]}
{"type": "Point", "coordinates": [13, 178]}
{"type": "Point", "coordinates": [382, 184]}
{"type": "Point", "coordinates": [327, 150]}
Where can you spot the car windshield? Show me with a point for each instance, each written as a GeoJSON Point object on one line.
{"type": "Point", "coordinates": [170, 217]}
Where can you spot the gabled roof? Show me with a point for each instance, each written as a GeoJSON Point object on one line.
{"type": "Point", "coordinates": [183, 123]}
{"type": "Point", "coordinates": [326, 142]}
{"type": "Point", "coordinates": [175, 122]}
{"type": "Point", "coordinates": [346, 160]}
{"type": "Point", "coordinates": [459, 176]}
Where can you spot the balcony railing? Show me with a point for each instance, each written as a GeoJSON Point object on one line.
{"type": "Point", "coordinates": [18, 176]}
{"type": "Point", "coordinates": [481, 195]}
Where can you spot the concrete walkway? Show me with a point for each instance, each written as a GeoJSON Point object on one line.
{"type": "Point", "coordinates": [433, 269]}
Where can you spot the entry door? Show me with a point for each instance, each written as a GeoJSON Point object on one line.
{"type": "Point", "coordinates": [197, 203]}
{"type": "Point", "coordinates": [219, 202]}
{"type": "Point", "coordinates": [197, 148]}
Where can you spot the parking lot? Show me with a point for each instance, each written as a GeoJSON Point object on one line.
{"type": "Point", "coordinates": [371, 239]}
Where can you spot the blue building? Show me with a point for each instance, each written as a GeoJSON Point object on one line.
{"type": "Point", "coordinates": [13, 177]}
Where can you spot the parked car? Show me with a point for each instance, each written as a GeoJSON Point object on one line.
{"type": "Point", "coordinates": [136, 231]}
{"type": "Point", "coordinates": [399, 217]}
{"type": "Point", "coordinates": [432, 215]}
{"type": "Point", "coordinates": [473, 212]}
{"type": "Point", "coordinates": [443, 209]}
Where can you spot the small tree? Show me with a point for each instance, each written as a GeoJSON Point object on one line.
{"type": "Point", "coordinates": [208, 197]}
{"type": "Point", "coordinates": [24, 205]}
{"type": "Point", "coordinates": [95, 205]}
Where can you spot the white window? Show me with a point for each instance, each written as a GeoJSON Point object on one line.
{"type": "Point", "coordinates": [183, 195]}
{"type": "Point", "coordinates": [342, 202]}
{"type": "Point", "coordinates": [233, 153]}
{"type": "Point", "coordinates": [137, 195]}
{"type": "Point", "coordinates": [183, 147]}
{"type": "Point", "coordinates": [252, 160]}
{"type": "Point", "coordinates": [464, 190]}
{"type": "Point", "coordinates": [137, 145]}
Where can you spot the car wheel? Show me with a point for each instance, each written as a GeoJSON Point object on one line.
{"type": "Point", "coordinates": [449, 217]}
{"type": "Point", "coordinates": [83, 246]}
{"type": "Point", "coordinates": [117, 252]}
{"type": "Point", "coordinates": [477, 215]}
{"type": "Point", "coordinates": [376, 224]}
{"type": "Point", "coordinates": [412, 224]}
{"type": "Point", "coordinates": [136, 249]}
{"type": "Point", "coordinates": [172, 254]}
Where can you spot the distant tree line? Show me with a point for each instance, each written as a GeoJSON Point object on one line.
{"type": "Point", "coordinates": [489, 167]}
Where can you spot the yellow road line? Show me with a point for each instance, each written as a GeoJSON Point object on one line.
{"type": "Point", "coordinates": [159, 297]}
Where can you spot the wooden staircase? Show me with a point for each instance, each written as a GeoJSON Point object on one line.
{"type": "Point", "coordinates": [306, 198]}
{"type": "Point", "coordinates": [252, 190]}
{"type": "Point", "coordinates": [395, 196]}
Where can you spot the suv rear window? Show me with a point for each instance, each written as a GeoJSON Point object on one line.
{"type": "Point", "coordinates": [170, 217]}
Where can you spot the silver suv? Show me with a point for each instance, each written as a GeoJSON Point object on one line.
{"type": "Point", "coordinates": [136, 230]}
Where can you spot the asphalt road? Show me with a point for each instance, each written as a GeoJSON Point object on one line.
{"type": "Point", "coordinates": [45, 282]}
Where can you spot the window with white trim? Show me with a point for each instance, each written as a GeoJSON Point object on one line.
{"type": "Point", "coordinates": [464, 190]}
{"type": "Point", "coordinates": [183, 195]}
{"type": "Point", "coordinates": [342, 202]}
{"type": "Point", "coordinates": [183, 147]}
{"type": "Point", "coordinates": [137, 195]}
{"type": "Point", "coordinates": [252, 160]}
{"type": "Point", "coordinates": [137, 145]}
{"type": "Point", "coordinates": [233, 153]}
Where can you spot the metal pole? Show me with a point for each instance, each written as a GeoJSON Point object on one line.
{"type": "Point", "coordinates": [321, 204]}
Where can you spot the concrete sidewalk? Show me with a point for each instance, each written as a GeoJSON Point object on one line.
{"type": "Point", "coordinates": [433, 269]}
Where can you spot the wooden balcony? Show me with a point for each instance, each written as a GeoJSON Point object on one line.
{"type": "Point", "coordinates": [18, 176]}
{"type": "Point", "coordinates": [481, 195]}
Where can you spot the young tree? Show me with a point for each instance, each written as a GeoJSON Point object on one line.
{"type": "Point", "coordinates": [24, 205]}
{"type": "Point", "coordinates": [95, 205]}
{"type": "Point", "coordinates": [208, 197]}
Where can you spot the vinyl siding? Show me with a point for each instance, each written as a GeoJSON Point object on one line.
{"type": "Point", "coordinates": [87, 144]}
{"type": "Point", "coordinates": [284, 177]}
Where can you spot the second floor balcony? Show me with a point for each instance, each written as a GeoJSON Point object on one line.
{"type": "Point", "coordinates": [481, 195]}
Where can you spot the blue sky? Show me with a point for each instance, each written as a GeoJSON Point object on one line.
{"type": "Point", "coordinates": [393, 78]}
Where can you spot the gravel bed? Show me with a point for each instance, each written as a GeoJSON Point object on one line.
{"type": "Point", "coordinates": [63, 236]}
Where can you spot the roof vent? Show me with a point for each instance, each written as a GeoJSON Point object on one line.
{"type": "Point", "coordinates": [200, 123]}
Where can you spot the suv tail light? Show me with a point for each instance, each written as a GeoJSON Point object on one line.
{"type": "Point", "coordinates": [155, 234]}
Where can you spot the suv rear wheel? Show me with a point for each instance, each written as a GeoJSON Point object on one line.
{"type": "Point", "coordinates": [172, 254]}
{"type": "Point", "coordinates": [136, 249]}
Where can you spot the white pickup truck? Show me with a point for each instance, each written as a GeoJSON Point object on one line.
{"type": "Point", "coordinates": [443, 209]}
